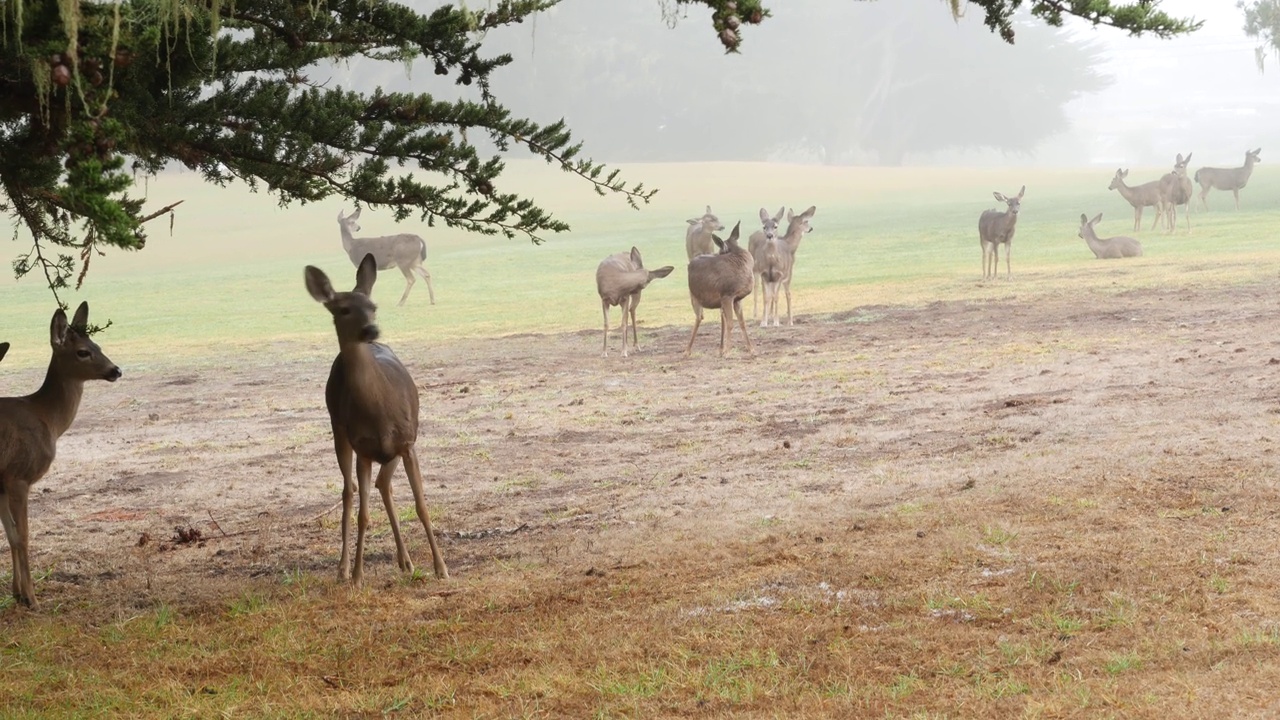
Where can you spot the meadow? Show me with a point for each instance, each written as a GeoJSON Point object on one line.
{"type": "Point", "coordinates": [933, 497]}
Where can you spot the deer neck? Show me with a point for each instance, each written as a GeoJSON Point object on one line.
{"type": "Point", "coordinates": [348, 240]}
{"type": "Point", "coordinates": [57, 401]}
{"type": "Point", "coordinates": [366, 379]}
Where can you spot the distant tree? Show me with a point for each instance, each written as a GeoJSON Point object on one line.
{"type": "Point", "coordinates": [1262, 22]}
{"type": "Point", "coordinates": [225, 87]}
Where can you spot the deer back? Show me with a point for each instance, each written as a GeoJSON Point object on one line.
{"type": "Point", "coordinates": [727, 275]}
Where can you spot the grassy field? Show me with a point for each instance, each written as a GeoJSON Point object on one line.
{"type": "Point", "coordinates": [230, 273]}
{"type": "Point", "coordinates": [1056, 588]}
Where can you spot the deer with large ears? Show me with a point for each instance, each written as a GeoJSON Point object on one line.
{"type": "Point", "coordinates": [721, 281]}
{"type": "Point", "coordinates": [996, 228]}
{"type": "Point", "coordinates": [405, 251]}
{"type": "Point", "coordinates": [620, 279]}
{"type": "Point", "coordinates": [373, 407]}
{"type": "Point", "coordinates": [31, 425]}
{"type": "Point", "coordinates": [756, 245]}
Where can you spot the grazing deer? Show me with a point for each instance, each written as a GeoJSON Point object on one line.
{"type": "Point", "coordinates": [373, 407]}
{"type": "Point", "coordinates": [756, 243]}
{"type": "Point", "coordinates": [721, 281]}
{"type": "Point", "coordinates": [1139, 196]}
{"type": "Point", "coordinates": [1107, 248]}
{"type": "Point", "coordinates": [697, 238]}
{"type": "Point", "coordinates": [620, 278]}
{"type": "Point", "coordinates": [31, 425]}
{"type": "Point", "coordinates": [1175, 190]}
{"type": "Point", "coordinates": [1233, 179]}
{"type": "Point", "coordinates": [405, 251]}
{"type": "Point", "coordinates": [996, 228]}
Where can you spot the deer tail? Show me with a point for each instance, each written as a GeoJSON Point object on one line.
{"type": "Point", "coordinates": [1197, 175]}
{"type": "Point", "coordinates": [423, 254]}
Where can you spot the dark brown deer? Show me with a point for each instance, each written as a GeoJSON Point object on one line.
{"type": "Point", "coordinates": [373, 408]}
{"type": "Point", "coordinates": [995, 228]}
{"type": "Point", "coordinates": [31, 425]}
{"type": "Point", "coordinates": [1233, 179]}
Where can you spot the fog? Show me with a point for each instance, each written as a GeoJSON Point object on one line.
{"type": "Point", "coordinates": [893, 82]}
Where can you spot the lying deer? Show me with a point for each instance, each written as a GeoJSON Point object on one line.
{"type": "Point", "coordinates": [756, 243]}
{"type": "Point", "coordinates": [996, 228]}
{"type": "Point", "coordinates": [1175, 190]}
{"type": "Point", "coordinates": [373, 408]}
{"type": "Point", "coordinates": [31, 425]}
{"type": "Point", "coordinates": [1139, 196]}
{"type": "Point", "coordinates": [620, 278]}
{"type": "Point", "coordinates": [721, 281]}
{"type": "Point", "coordinates": [404, 251]}
{"type": "Point", "coordinates": [1107, 248]}
{"type": "Point", "coordinates": [697, 238]}
{"type": "Point", "coordinates": [1233, 179]}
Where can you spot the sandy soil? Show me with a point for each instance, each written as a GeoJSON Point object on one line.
{"type": "Point", "coordinates": [538, 450]}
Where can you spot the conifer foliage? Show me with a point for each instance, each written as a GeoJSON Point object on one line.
{"type": "Point", "coordinates": [96, 94]}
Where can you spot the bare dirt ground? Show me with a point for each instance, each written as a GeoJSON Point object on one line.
{"type": "Point", "coordinates": [991, 467]}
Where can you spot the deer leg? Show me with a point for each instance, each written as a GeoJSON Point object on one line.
{"type": "Point", "coordinates": [623, 306]}
{"type": "Point", "coordinates": [635, 340]}
{"type": "Point", "coordinates": [1008, 258]}
{"type": "Point", "coordinates": [1236, 193]}
{"type": "Point", "coordinates": [414, 471]}
{"type": "Point", "coordinates": [344, 452]}
{"type": "Point", "coordinates": [1204, 198]}
{"type": "Point", "coordinates": [726, 325]}
{"type": "Point", "coordinates": [364, 469]}
{"type": "Point", "coordinates": [426, 275]}
{"type": "Point", "coordinates": [14, 517]}
{"type": "Point", "coordinates": [697, 320]}
{"type": "Point", "coordinates": [742, 323]}
{"type": "Point", "coordinates": [409, 280]}
{"type": "Point", "coordinates": [604, 305]}
{"type": "Point", "coordinates": [786, 287]}
{"type": "Point", "coordinates": [383, 484]}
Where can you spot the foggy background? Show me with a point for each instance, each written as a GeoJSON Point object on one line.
{"type": "Point", "coordinates": [891, 82]}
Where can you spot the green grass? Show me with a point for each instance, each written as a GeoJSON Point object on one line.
{"type": "Point", "coordinates": [229, 276]}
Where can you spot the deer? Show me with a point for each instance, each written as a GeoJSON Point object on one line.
{"type": "Point", "coordinates": [31, 425]}
{"type": "Point", "coordinates": [721, 281]}
{"type": "Point", "coordinates": [620, 278]}
{"type": "Point", "coordinates": [1139, 196]}
{"type": "Point", "coordinates": [756, 243]}
{"type": "Point", "coordinates": [797, 227]}
{"type": "Point", "coordinates": [405, 251]}
{"type": "Point", "coordinates": [697, 237]}
{"type": "Point", "coordinates": [773, 266]}
{"type": "Point", "coordinates": [1175, 190]}
{"type": "Point", "coordinates": [373, 409]}
{"type": "Point", "coordinates": [996, 228]}
{"type": "Point", "coordinates": [1107, 248]}
{"type": "Point", "coordinates": [1233, 179]}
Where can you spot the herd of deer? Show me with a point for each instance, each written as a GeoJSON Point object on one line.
{"type": "Point", "coordinates": [1173, 189]}
{"type": "Point", "coordinates": [372, 399]}
{"type": "Point", "coordinates": [721, 273]}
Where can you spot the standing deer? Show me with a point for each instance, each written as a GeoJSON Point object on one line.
{"type": "Point", "coordinates": [405, 251]}
{"type": "Point", "coordinates": [797, 227]}
{"type": "Point", "coordinates": [1107, 248]}
{"type": "Point", "coordinates": [31, 425]}
{"type": "Point", "coordinates": [996, 228]}
{"type": "Point", "coordinates": [1139, 196]}
{"type": "Point", "coordinates": [373, 408]}
{"type": "Point", "coordinates": [721, 281]}
{"type": "Point", "coordinates": [620, 278]}
{"type": "Point", "coordinates": [1175, 190]}
{"type": "Point", "coordinates": [1233, 179]}
{"type": "Point", "coordinates": [756, 243]}
{"type": "Point", "coordinates": [697, 238]}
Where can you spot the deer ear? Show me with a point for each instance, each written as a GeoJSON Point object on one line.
{"type": "Point", "coordinates": [733, 234]}
{"type": "Point", "coordinates": [778, 217]}
{"type": "Point", "coordinates": [366, 275]}
{"type": "Point", "coordinates": [1022, 192]}
{"type": "Point", "coordinates": [318, 284]}
{"type": "Point", "coordinates": [659, 273]}
{"type": "Point", "coordinates": [719, 243]}
{"type": "Point", "coordinates": [807, 214]}
{"type": "Point", "coordinates": [708, 209]}
{"type": "Point", "coordinates": [1096, 219]}
{"type": "Point", "coordinates": [1000, 197]}
{"type": "Point", "coordinates": [764, 215]}
{"type": "Point", "coordinates": [58, 328]}
{"type": "Point", "coordinates": [1258, 151]}
{"type": "Point", "coordinates": [81, 318]}
{"type": "Point", "coordinates": [1084, 219]}
{"type": "Point", "coordinates": [355, 215]}
{"type": "Point", "coordinates": [635, 257]}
